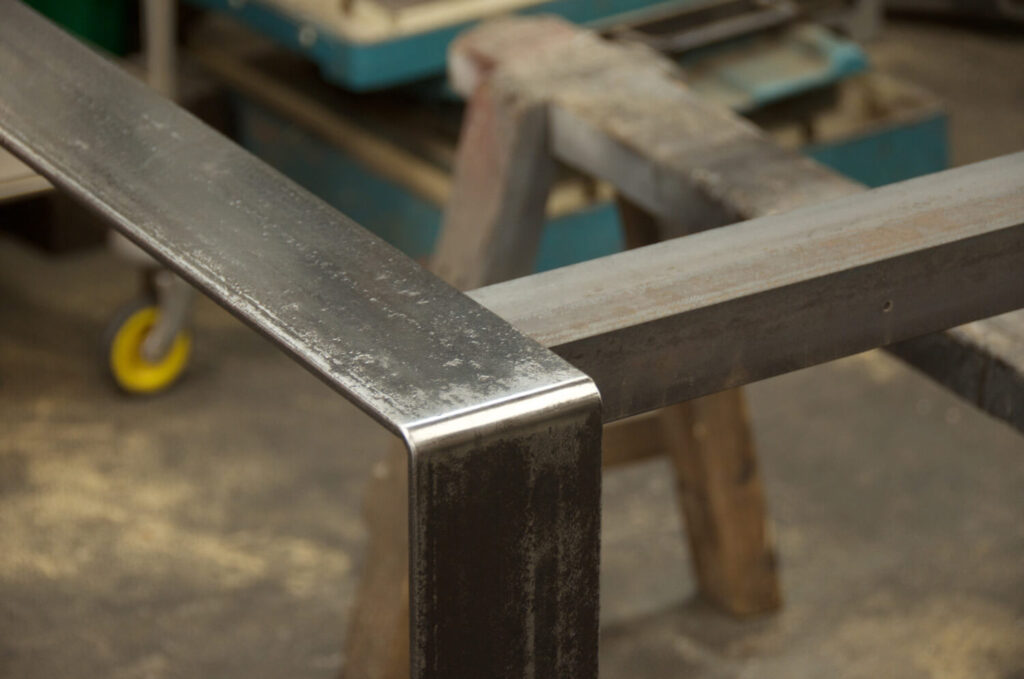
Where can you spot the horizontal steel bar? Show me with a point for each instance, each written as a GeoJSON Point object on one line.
{"type": "Point", "coordinates": [726, 307]}
{"type": "Point", "coordinates": [503, 435]}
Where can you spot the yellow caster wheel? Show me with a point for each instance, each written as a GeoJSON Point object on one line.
{"type": "Point", "coordinates": [125, 358]}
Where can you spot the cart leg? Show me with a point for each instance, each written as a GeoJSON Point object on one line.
{"type": "Point", "coordinates": [147, 345]}
{"type": "Point", "coordinates": [174, 297]}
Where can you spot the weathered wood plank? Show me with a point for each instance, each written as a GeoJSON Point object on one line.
{"type": "Point", "coordinates": [503, 173]}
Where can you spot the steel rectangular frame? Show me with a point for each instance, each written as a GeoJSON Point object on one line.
{"type": "Point", "coordinates": [504, 435]}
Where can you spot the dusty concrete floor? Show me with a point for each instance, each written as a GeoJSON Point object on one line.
{"type": "Point", "coordinates": [215, 531]}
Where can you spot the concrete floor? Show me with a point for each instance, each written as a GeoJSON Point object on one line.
{"type": "Point", "coordinates": [215, 531]}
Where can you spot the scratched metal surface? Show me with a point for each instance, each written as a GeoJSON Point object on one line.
{"type": "Point", "coordinates": [387, 334]}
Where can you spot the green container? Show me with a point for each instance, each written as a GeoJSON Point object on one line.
{"type": "Point", "coordinates": [109, 24]}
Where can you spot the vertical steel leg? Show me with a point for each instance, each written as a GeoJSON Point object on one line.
{"type": "Point", "coordinates": [504, 506]}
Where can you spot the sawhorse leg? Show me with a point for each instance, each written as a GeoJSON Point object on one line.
{"type": "Point", "coordinates": [718, 482]}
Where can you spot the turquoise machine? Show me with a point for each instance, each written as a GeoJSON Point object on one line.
{"type": "Point", "coordinates": [384, 157]}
